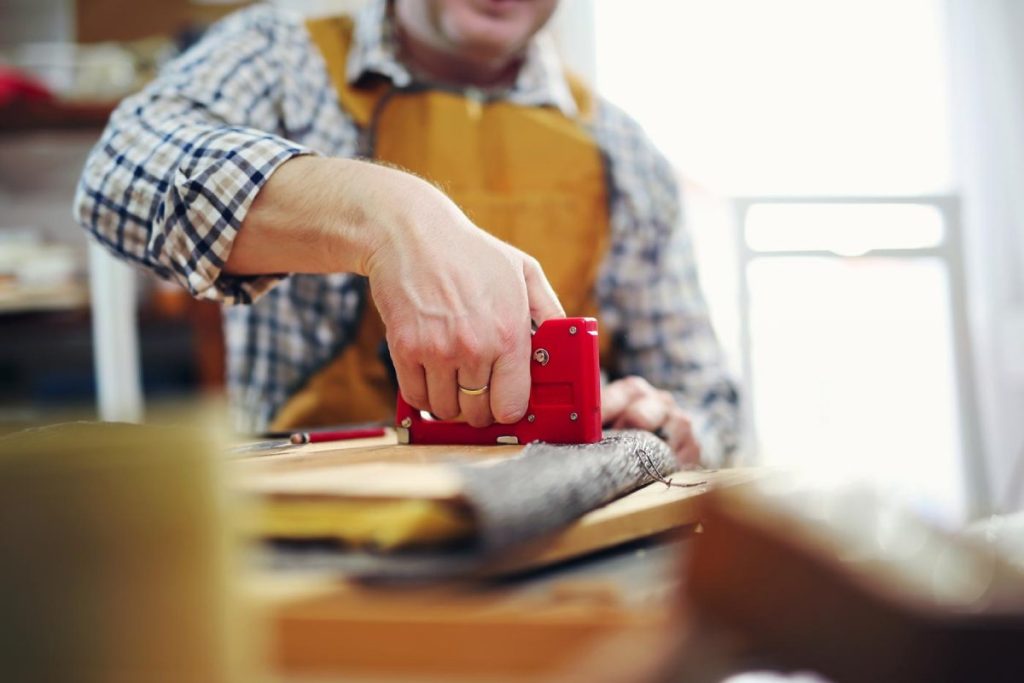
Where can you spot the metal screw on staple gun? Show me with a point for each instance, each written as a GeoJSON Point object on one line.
{"type": "Point", "coordinates": [541, 356]}
{"type": "Point", "coordinates": [572, 329]}
{"type": "Point", "coordinates": [531, 418]}
{"type": "Point", "coordinates": [407, 422]}
{"type": "Point", "coordinates": [573, 416]}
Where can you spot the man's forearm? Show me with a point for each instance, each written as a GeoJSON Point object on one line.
{"type": "Point", "coordinates": [317, 215]}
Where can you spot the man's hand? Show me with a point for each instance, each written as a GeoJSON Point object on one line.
{"type": "Point", "coordinates": [633, 403]}
{"type": "Point", "coordinates": [456, 302]}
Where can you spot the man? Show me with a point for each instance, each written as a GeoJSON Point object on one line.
{"type": "Point", "coordinates": [294, 168]}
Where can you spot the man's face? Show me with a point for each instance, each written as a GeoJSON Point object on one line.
{"type": "Point", "coordinates": [485, 30]}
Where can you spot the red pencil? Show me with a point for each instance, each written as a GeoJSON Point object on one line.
{"type": "Point", "coordinates": [336, 435]}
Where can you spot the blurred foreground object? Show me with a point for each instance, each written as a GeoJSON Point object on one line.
{"type": "Point", "coordinates": [848, 585]}
{"type": "Point", "coordinates": [554, 627]}
{"type": "Point", "coordinates": [114, 564]}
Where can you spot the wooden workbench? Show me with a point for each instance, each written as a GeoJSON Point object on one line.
{"type": "Point", "coordinates": [547, 608]}
{"type": "Point", "coordinates": [528, 628]}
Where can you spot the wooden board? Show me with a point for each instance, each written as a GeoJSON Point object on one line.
{"type": "Point", "coordinates": [381, 467]}
{"type": "Point", "coordinates": [376, 450]}
{"type": "Point", "coordinates": [652, 510]}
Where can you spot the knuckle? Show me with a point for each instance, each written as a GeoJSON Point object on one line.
{"type": "Point", "coordinates": [636, 384]}
{"type": "Point", "coordinates": [469, 346]}
{"type": "Point", "coordinates": [507, 334]}
{"type": "Point", "coordinates": [439, 351]}
{"type": "Point", "coordinates": [403, 344]}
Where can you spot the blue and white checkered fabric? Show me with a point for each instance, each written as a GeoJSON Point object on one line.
{"type": "Point", "coordinates": [171, 180]}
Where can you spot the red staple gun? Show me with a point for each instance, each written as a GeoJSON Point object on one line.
{"type": "Point", "coordinates": [565, 396]}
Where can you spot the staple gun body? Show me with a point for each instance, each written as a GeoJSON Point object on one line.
{"type": "Point", "coordinates": [565, 396]}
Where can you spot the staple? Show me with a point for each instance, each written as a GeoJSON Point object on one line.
{"type": "Point", "coordinates": [644, 458]}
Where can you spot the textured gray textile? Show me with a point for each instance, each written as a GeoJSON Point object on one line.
{"type": "Point", "coordinates": [548, 486]}
{"type": "Point", "coordinates": [537, 492]}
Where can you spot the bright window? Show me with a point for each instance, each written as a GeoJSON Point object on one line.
{"type": "Point", "coordinates": [842, 229]}
{"type": "Point", "coordinates": [841, 302]}
{"type": "Point", "coordinates": [852, 367]}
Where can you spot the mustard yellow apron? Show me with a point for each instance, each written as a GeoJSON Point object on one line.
{"type": "Point", "coordinates": [528, 175]}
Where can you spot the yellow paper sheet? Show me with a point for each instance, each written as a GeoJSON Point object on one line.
{"type": "Point", "coordinates": [374, 523]}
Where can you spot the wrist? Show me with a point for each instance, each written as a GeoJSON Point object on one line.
{"type": "Point", "coordinates": [401, 205]}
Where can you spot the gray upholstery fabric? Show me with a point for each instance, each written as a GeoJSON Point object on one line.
{"type": "Point", "coordinates": [547, 486]}
{"type": "Point", "coordinates": [538, 492]}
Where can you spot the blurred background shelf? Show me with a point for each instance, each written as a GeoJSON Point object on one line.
{"type": "Point", "coordinates": [55, 115]}
{"type": "Point", "coordinates": [15, 300]}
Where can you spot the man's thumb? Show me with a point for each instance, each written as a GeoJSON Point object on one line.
{"type": "Point", "coordinates": [544, 304]}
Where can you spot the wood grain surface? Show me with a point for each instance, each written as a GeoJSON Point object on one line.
{"type": "Point", "coordinates": [383, 468]}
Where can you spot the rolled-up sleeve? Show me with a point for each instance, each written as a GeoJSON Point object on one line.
{"type": "Point", "coordinates": [171, 180]}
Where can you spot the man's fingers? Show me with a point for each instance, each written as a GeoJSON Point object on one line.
{"type": "Point", "coordinates": [510, 382]}
{"type": "Point", "coordinates": [681, 439]}
{"type": "Point", "coordinates": [476, 409]}
{"type": "Point", "coordinates": [648, 412]}
{"type": "Point", "coordinates": [689, 452]}
{"type": "Point", "coordinates": [442, 392]}
{"type": "Point", "coordinates": [412, 383]}
{"type": "Point", "coordinates": [614, 399]}
{"type": "Point", "coordinates": [632, 403]}
{"type": "Point", "coordinates": [618, 395]}
{"type": "Point", "coordinates": [544, 303]}
{"type": "Point", "coordinates": [677, 429]}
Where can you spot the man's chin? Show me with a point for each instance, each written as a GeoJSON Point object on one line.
{"type": "Point", "coordinates": [488, 40]}
{"type": "Point", "coordinates": [488, 49]}
{"type": "Point", "coordinates": [484, 53]}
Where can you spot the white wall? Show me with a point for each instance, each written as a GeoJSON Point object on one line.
{"type": "Point", "coordinates": [573, 30]}
{"type": "Point", "coordinates": [987, 58]}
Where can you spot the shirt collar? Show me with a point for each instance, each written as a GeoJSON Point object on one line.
{"type": "Point", "coordinates": [541, 80]}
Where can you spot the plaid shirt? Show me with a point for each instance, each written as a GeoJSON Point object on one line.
{"type": "Point", "coordinates": [170, 182]}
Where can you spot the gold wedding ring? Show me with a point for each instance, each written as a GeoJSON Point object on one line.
{"type": "Point", "coordinates": [473, 392]}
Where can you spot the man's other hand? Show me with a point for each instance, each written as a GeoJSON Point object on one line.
{"type": "Point", "coordinates": [632, 403]}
